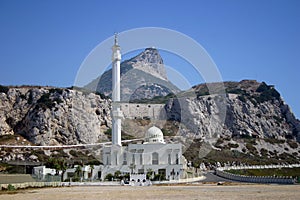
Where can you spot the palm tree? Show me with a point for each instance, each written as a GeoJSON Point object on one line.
{"type": "Point", "coordinates": [78, 171]}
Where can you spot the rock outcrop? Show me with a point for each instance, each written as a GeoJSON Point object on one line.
{"type": "Point", "coordinates": [53, 116]}
{"type": "Point", "coordinates": [142, 77]}
{"type": "Point", "coordinates": [248, 108]}
{"type": "Point", "coordinates": [150, 62]}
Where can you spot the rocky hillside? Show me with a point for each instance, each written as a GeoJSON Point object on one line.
{"type": "Point", "coordinates": [52, 116]}
{"type": "Point", "coordinates": [142, 77]}
{"type": "Point", "coordinates": [248, 108]}
{"type": "Point", "coordinates": [249, 122]}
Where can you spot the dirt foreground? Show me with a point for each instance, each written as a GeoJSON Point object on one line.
{"type": "Point", "coordinates": [203, 192]}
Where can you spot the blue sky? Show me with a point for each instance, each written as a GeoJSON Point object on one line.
{"type": "Point", "coordinates": [45, 42]}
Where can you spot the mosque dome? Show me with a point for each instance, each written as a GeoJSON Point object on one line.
{"type": "Point", "coordinates": [154, 135]}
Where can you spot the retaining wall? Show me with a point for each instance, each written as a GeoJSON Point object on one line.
{"type": "Point", "coordinates": [256, 179]}
{"type": "Point", "coordinates": [140, 110]}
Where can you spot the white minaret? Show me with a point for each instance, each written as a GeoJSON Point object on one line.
{"type": "Point", "coordinates": [117, 114]}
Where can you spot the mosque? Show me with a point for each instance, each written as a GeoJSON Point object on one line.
{"type": "Point", "coordinates": [152, 155]}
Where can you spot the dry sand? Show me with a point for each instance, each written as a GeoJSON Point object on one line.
{"type": "Point", "coordinates": [203, 192]}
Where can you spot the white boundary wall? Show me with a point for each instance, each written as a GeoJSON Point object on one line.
{"type": "Point", "coordinates": [221, 171]}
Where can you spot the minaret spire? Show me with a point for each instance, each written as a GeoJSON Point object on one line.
{"type": "Point", "coordinates": [117, 114]}
{"type": "Point", "coordinates": [116, 39]}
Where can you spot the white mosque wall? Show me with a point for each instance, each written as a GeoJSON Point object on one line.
{"type": "Point", "coordinates": [139, 158]}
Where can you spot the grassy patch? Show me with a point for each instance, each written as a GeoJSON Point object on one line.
{"type": "Point", "coordinates": [251, 148]}
{"type": "Point", "coordinates": [274, 141]}
{"type": "Point", "coordinates": [295, 172]}
{"type": "Point", "coordinates": [6, 139]}
{"type": "Point", "coordinates": [231, 145]}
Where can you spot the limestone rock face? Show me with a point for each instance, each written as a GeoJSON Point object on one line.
{"type": "Point", "coordinates": [257, 111]}
{"type": "Point", "coordinates": [52, 116]}
{"type": "Point", "coordinates": [150, 62]}
{"type": "Point", "coordinates": [142, 77]}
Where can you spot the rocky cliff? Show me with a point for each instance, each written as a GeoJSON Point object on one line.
{"type": "Point", "coordinates": [250, 121]}
{"type": "Point", "coordinates": [248, 108]}
{"type": "Point", "coordinates": [52, 116]}
{"type": "Point", "coordinates": [142, 77]}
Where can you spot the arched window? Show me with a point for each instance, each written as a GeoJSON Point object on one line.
{"type": "Point", "coordinates": [155, 158]}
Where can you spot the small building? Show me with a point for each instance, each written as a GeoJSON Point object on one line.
{"type": "Point", "coordinates": [40, 172]}
{"type": "Point", "coordinates": [83, 173]}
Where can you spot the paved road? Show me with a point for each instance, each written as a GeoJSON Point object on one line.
{"type": "Point", "coordinates": [211, 177]}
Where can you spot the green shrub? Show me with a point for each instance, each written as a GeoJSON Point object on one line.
{"type": "Point", "coordinates": [56, 90]}
{"type": "Point", "coordinates": [158, 177]}
{"type": "Point", "coordinates": [107, 132]}
{"type": "Point", "coordinates": [46, 102]}
{"type": "Point", "coordinates": [5, 138]}
{"type": "Point", "coordinates": [292, 144]}
{"type": "Point", "coordinates": [4, 89]}
{"type": "Point", "coordinates": [235, 91]}
{"type": "Point", "coordinates": [262, 87]}
{"type": "Point", "coordinates": [264, 152]}
{"type": "Point", "coordinates": [10, 187]}
{"type": "Point", "coordinates": [73, 152]}
{"type": "Point", "coordinates": [251, 148]}
{"type": "Point", "coordinates": [274, 141]}
{"type": "Point", "coordinates": [266, 93]}
{"type": "Point", "coordinates": [109, 177]}
{"type": "Point", "coordinates": [102, 96]}
{"type": "Point", "coordinates": [94, 162]}
{"type": "Point", "coordinates": [167, 132]}
{"type": "Point", "coordinates": [242, 98]}
{"type": "Point", "coordinates": [231, 145]}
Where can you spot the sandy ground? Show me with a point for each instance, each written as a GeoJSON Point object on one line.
{"type": "Point", "coordinates": [193, 192]}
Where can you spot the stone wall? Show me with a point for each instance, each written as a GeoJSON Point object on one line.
{"type": "Point", "coordinates": [256, 179]}
{"type": "Point", "coordinates": [143, 111]}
